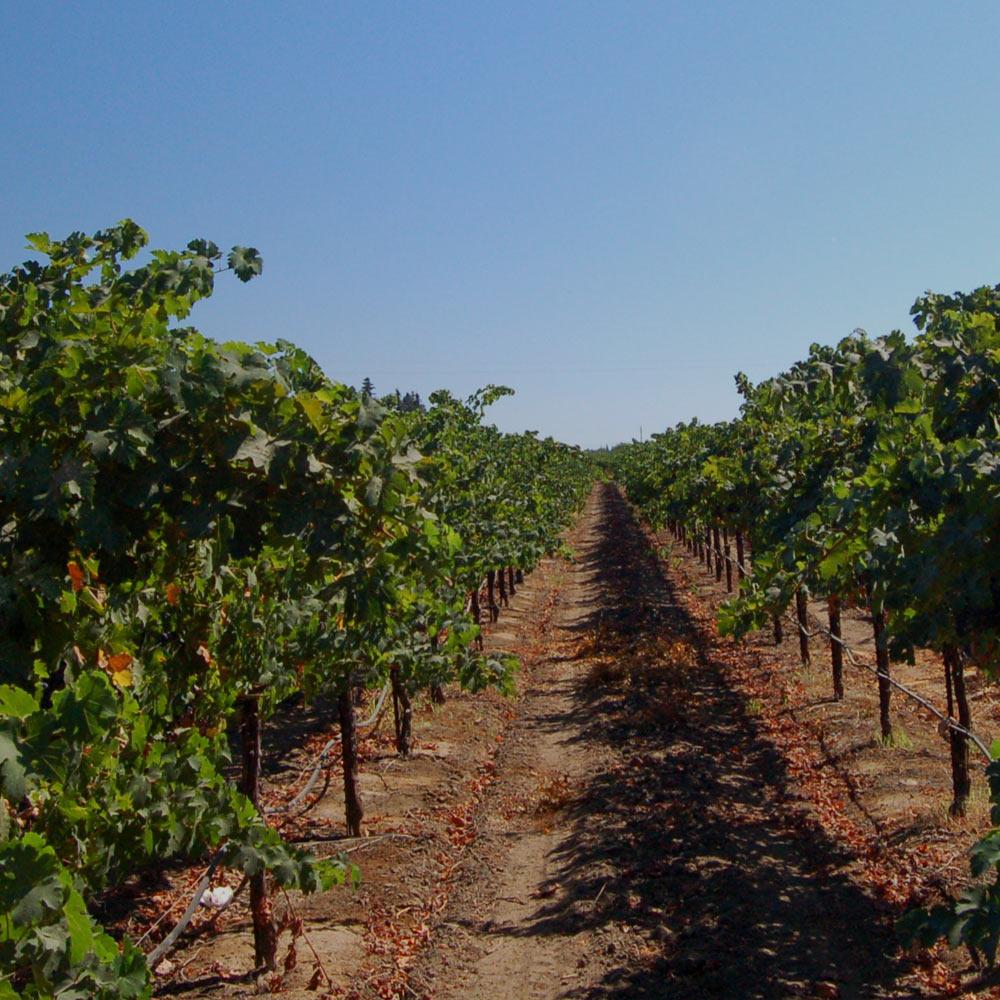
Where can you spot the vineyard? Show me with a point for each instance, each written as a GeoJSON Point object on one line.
{"type": "Point", "coordinates": [196, 535]}
{"type": "Point", "coordinates": [215, 559]}
{"type": "Point", "coordinates": [865, 476]}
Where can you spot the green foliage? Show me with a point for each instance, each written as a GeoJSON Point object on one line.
{"type": "Point", "coordinates": [45, 927]}
{"type": "Point", "coordinates": [973, 920]}
{"type": "Point", "coordinates": [870, 471]}
{"type": "Point", "coordinates": [183, 524]}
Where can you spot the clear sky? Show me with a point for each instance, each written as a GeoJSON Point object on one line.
{"type": "Point", "coordinates": [609, 207]}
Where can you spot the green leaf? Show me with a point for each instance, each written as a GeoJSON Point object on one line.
{"type": "Point", "coordinates": [206, 248]}
{"type": "Point", "coordinates": [31, 880]}
{"type": "Point", "coordinates": [246, 262]}
{"type": "Point", "coordinates": [87, 708]}
{"type": "Point", "coordinates": [86, 596]}
{"type": "Point", "coordinates": [16, 703]}
{"type": "Point", "coordinates": [313, 409]}
{"type": "Point", "coordinates": [40, 242]}
{"type": "Point", "coordinates": [13, 776]}
{"type": "Point", "coordinates": [80, 926]}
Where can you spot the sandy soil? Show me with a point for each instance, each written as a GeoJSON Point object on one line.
{"type": "Point", "coordinates": [674, 866]}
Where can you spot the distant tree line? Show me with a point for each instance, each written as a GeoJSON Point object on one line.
{"type": "Point", "coordinates": [408, 402]}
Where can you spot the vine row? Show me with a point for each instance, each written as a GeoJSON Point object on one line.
{"type": "Point", "coordinates": [867, 474]}
{"type": "Point", "coordinates": [194, 535]}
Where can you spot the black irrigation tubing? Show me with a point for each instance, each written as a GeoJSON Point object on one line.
{"type": "Point", "coordinates": [948, 721]}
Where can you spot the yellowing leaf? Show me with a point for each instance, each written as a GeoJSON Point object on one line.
{"type": "Point", "coordinates": [91, 599]}
{"type": "Point", "coordinates": [313, 409]}
{"type": "Point", "coordinates": [122, 678]}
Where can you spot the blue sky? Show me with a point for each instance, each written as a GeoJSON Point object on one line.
{"type": "Point", "coordinates": [610, 207]}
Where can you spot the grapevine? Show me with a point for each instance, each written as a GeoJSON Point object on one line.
{"type": "Point", "coordinates": [191, 533]}
{"type": "Point", "coordinates": [867, 473]}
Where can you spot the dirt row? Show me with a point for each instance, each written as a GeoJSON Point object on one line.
{"type": "Point", "coordinates": [676, 864]}
{"type": "Point", "coordinates": [898, 796]}
{"type": "Point", "coordinates": [658, 813]}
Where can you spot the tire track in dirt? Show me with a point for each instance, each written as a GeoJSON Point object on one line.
{"type": "Point", "coordinates": [641, 839]}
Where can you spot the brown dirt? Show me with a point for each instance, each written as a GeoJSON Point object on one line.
{"type": "Point", "coordinates": [634, 824]}
{"type": "Point", "coordinates": [897, 796]}
{"type": "Point", "coordinates": [676, 869]}
{"type": "Point", "coordinates": [921, 761]}
{"type": "Point", "coordinates": [416, 829]}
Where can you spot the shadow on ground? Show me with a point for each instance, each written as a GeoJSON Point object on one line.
{"type": "Point", "coordinates": [688, 858]}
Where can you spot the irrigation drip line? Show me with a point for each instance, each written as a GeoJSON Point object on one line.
{"type": "Point", "coordinates": [948, 721]}
{"type": "Point", "coordinates": [374, 717]}
{"type": "Point", "coordinates": [154, 957]}
{"type": "Point", "coordinates": [321, 759]}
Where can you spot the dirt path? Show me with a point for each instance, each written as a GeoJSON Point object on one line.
{"type": "Point", "coordinates": [625, 828]}
{"type": "Point", "coordinates": [643, 840]}
{"type": "Point", "coordinates": [520, 943]}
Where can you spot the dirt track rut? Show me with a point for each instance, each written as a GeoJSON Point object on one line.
{"type": "Point", "coordinates": [642, 840]}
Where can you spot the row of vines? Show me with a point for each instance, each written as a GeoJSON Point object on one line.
{"type": "Point", "coordinates": [869, 475]}
{"type": "Point", "coordinates": [193, 535]}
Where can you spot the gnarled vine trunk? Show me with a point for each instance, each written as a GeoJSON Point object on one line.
{"type": "Point", "coordinates": [836, 649]}
{"type": "Point", "coordinates": [402, 709]}
{"type": "Point", "coordinates": [882, 665]}
{"type": "Point", "coordinates": [474, 611]}
{"type": "Point", "coordinates": [491, 580]}
{"type": "Point", "coordinates": [958, 696]}
{"type": "Point", "coordinates": [265, 937]}
{"type": "Point", "coordinates": [353, 807]}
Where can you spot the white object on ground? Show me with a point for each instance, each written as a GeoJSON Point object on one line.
{"type": "Point", "coordinates": [217, 897]}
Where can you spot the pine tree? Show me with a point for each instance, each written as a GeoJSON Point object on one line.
{"type": "Point", "coordinates": [367, 388]}
{"type": "Point", "coordinates": [411, 403]}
